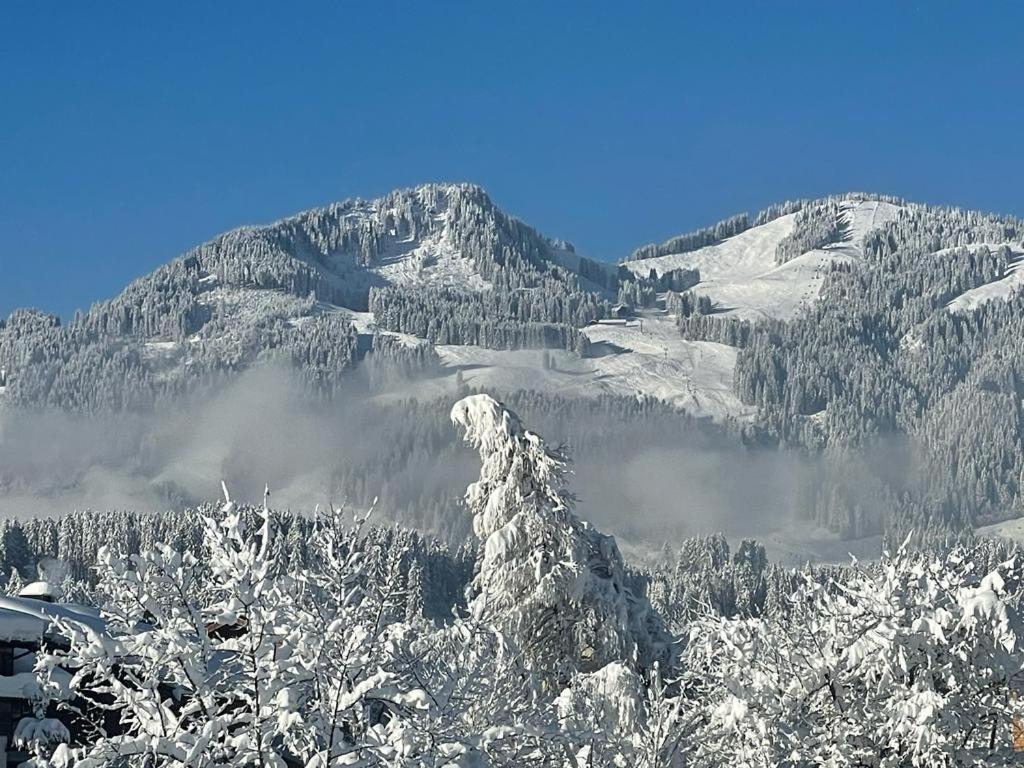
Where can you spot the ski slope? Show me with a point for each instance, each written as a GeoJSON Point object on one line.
{"type": "Point", "coordinates": [648, 357]}
{"type": "Point", "coordinates": [641, 359]}
{"type": "Point", "coordinates": [1007, 529]}
{"type": "Point", "coordinates": [740, 274]}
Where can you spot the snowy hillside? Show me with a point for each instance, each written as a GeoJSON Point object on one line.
{"type": "Point", "coordinates": [646, 358]}
{"type": "Point", "coordinates": [743, 278]}
{"type": "Point", "coordinates": [432, 261]}
{"type": "Point", "coordinates": [437, 235]}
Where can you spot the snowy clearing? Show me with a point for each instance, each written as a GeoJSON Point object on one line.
{"type": "Point", "coordinates": [433, 262]}
{"type": "Point", "coordinates": [645, 358]}
{"type": "Point", "coordinates": [740, 274]}
{"type": "Point", "coordinates": [1007, 529]}
{"type": "Point", "coordinates": [795, 548]}
{"type": "Point", "coordinates": [365, 324]}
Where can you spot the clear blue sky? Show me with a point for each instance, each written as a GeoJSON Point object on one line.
{"type": "Point", "coordinates": [131, 131]}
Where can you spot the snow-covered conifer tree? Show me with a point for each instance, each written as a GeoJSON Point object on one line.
{"type": "Point", "coordinates": [550, 581]}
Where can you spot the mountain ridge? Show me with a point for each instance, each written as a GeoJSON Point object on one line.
{"type": "Point", "coordinates": [836, 329]}
{"type": "Point", "coordinates": [242, 235]}
{"type": "Point", "coordinates": [443, 264]}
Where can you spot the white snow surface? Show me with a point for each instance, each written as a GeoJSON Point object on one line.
{"type": "Point", "coordinates": [1003, 288]}
{"type": "Point", "coordinates": [1007, 529]}
{"type": "Point", "coordinates": [28, 619]}
{"type": "Point", "coordinates": [740, 274]}
{"type": "Point", "coordinates": [365, 323]}
{"type": "Point", "coordinates": [645, 358]}
{"type": "Point", "coordinates": [432, 261]}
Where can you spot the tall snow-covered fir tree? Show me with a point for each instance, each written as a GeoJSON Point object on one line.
{"type": "Point", "coordinates": [553, 583]}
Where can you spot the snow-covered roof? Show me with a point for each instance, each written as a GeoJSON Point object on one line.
{"type": "Point", "coordinates": [25, 685]}
{"type": "Point", "coordinates": [41, 589]}
{"type": "Point", "coordinates": [16, 627]}
{"type": "Point", "coordinates": [26, 619]}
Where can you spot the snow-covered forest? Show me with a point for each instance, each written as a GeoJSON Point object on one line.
{"type": "Point", "coordinates": [830, 330]}
{"type": "Point", "coordinates": [239, 635]}
{"type": "Point", "coordinates": [742, 406]}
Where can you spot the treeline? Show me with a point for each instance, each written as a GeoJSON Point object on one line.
{"type": "Point", "coordinates": [813, 227]}
{"type": "Point", "coordinates": [525, 318]}
{"type": "Point", "coordinates": [428, 577]}
{"type": "Point", "coordinates": [695, 240]}
{"type": "Point", "coordinates": [741, 222]}
{"type": "Point", "coordinates": [640, 292]}
{"type": "Point", "coordinates": [69, 367]}
{"type": "Point", "coordinates": [697, 320]}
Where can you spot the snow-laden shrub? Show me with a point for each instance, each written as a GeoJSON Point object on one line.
{"type": "Point", "coordinates": [233, 662]}
{"type": "Point", "coordinates": [909, 663]}
{"type": "Point", "coordinates": [40, 736]}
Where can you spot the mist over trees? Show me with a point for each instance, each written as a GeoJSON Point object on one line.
{"type": "Point", "coordinates": [879, 356]}
{"type": "Point", "coordinates": [875, 366]}
{"type": "Point", "coordinates": [253, 637]}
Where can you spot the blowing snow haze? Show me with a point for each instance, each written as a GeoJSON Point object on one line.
{"type": "Point", "coordinates": [835, 368]}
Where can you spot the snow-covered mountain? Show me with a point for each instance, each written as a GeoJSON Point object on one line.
{"type": "Point", "coordinates": [441, 264]}
{"type": "Point", "coordinates": [825, 325]}
{"type": "Point", "coordinates": [301, 287]}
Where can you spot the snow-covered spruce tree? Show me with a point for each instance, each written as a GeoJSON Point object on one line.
{"type": "Point", "coordinates": [907, 663]}
{"type": "Point", "coordinates": [548, 580]}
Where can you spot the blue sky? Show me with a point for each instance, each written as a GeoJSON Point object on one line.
{"type": "Point", "coordinates": [129, 132]}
